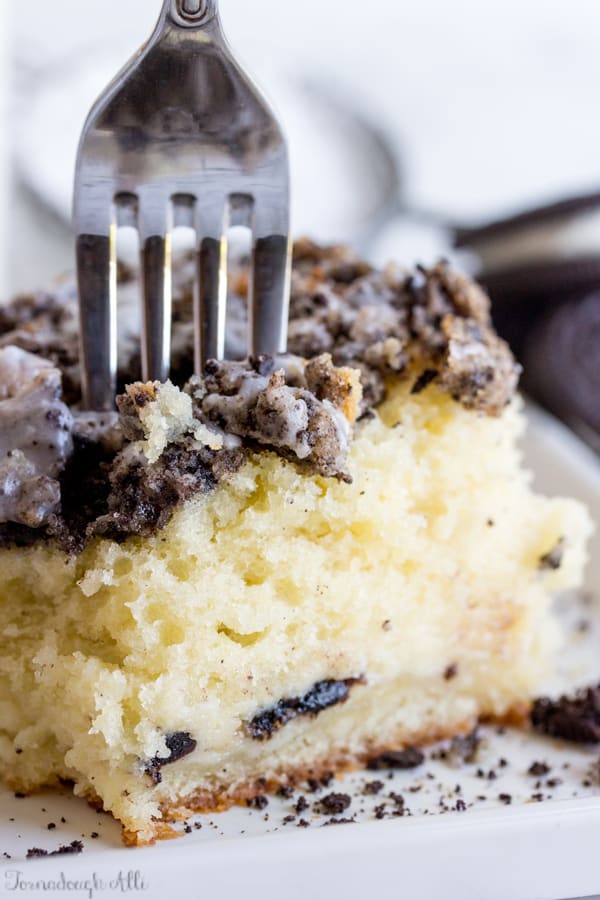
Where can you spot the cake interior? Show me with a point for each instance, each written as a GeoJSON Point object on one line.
{"type": "Point", "coordinates": [287, 621]}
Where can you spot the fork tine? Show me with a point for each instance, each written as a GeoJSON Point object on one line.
{"type": "Point", "coordinates": [155, 243]}
{"type": "Point", "coordinates": [270, 282]}
{"type": "Point", "coordinates": [210, 296]}
{"type": "Point", "coordinates": [97, 280]}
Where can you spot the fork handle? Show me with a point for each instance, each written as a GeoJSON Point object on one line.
{"type": "Point", "coordinates": [191, 13]}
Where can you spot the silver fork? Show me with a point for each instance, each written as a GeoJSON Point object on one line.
{"type": "Point", "coordinates": [181, 137]}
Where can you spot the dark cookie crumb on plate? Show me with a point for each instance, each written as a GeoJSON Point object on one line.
{"type": "Point", "coordinates": [537, 769]}
{"type": "Point", "coordinates": [574, 718]}
{"type": "Point", "coordinates": [371, 788]}
{"type": "Point", "coordinates": [66, 849]}
{"type": "Point", "coordinates": [333, 804]}
{"type": "Point", "coordinates": [410, 758]}
{"type": "Point", "coordinates": [259, 802]}
{"type": "Point", "coordinates": [301, 804]}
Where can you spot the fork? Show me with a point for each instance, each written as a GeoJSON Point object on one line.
{"type": "Point", "coordinates": [181, 137]}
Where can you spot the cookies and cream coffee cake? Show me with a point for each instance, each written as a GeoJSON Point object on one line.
{"type": "Point", "coordinates": [274, 567]}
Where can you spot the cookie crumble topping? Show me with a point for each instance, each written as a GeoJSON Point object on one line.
{"type": "Point", "coordinates": [351, 329]}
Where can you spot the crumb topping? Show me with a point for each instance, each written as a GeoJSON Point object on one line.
{"type": "Point", "coordinates": [300, 409]}
{"type": "Point", "coordinates": [67, 476]}
{"type": "Point", "coordinates": [35, 437]}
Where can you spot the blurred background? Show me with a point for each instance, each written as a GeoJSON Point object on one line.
{"type": "Point", "coordinates": [411, 124]}
{"type": "Point", "coordinates": [463, 111]}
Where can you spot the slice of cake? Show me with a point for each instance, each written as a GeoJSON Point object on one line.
{"type": "Point", "coordinates": [275, 568]}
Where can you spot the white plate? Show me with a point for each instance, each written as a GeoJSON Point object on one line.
{"type": "Point", "coordinates": [491, 851]}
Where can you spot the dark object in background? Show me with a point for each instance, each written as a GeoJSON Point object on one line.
{"type": "Point", "coordinates": [542, 270]}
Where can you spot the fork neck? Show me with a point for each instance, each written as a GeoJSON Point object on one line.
{"type": "Point", "coordinates": [189, 14]}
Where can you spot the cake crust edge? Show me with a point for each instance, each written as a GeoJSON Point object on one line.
{"type": "Point", "coordinates": [222, 798]}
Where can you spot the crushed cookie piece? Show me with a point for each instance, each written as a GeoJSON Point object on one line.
{"type": "Point", "coordinates": [340, 386]}
{"type": "Point", "coordinates": [537, 769]}
{"type": "Point", "coordinates": [450, 672]}
{"type": "Point", "coordinates": [142, 497]}
{"type": "Point", "coordinates": [323, 695]}
{"type": "Point", "coordinates": [301, 805]}
{"type": "Point", "coordinates": [574, 718]}
{"type": "Point", "coordinates": [372, 788]}
{"type": "Point", "coordinates": [73, 847]}
{"type": "Point", "coordinates": [286, 791]}
{"type": "Point", "coordinates": [423, 381]}
{"type": "Point", "coordinates": [179, 744]}
{"type": "Point", "coordinates": [35, 438]}
{"type": "Point", "coordinates": [409, 758]}
{"type": "Point", "coordinates": [259, 802]}
{"type": "Point", "coordinates": [478, 369]}
{"type": "Point", "coordinates": [594, 772]}
{"type": "Point", "coordinates": [333, 804]}
{"type": "Point", "coordinates": [282, 412]}
{"type": "Point", "coordinates": [553, 559]}
{"type": "Point", "coordinates": [463, 749]}
{"type": "Point", "coordinates": [397, 799]}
